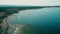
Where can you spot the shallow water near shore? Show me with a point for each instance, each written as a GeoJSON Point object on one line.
{"type": "Point", "coordinates": [38, 21]}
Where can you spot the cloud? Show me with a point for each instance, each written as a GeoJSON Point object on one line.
{"type": "Point", "coordinates": [30, 2]}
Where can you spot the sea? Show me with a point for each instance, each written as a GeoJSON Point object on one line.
{"type": "Point", "coordinates": [36, 21]}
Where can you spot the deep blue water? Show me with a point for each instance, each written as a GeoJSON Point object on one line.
{"type": "Point", "coordinates": [46, 20]}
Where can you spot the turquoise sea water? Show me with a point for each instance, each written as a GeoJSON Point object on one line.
{"type": "Point", "coordinates": [40, 21]}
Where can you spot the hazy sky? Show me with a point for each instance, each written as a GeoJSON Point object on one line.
{"type": "Point", "coordinates": [30, 2]}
